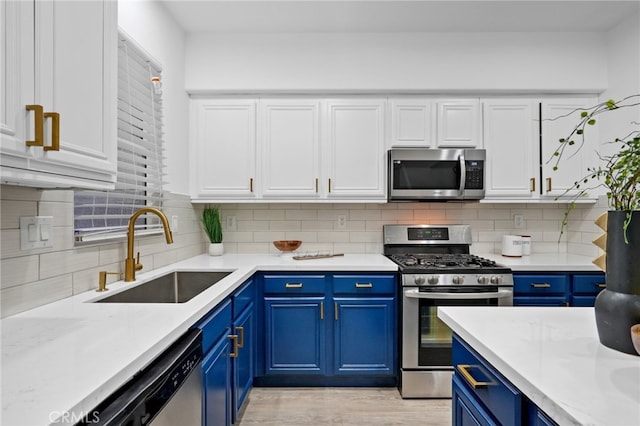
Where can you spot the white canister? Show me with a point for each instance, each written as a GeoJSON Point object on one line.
{"type": "Point", "coordinates": [526, 245]}
{"type": "Point", "coordinates": [512, 245]}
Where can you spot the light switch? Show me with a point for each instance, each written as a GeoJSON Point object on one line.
{"type": "Point", "coordinates": [36, 232]}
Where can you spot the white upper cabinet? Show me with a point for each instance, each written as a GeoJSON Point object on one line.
{"type": "Point", "coordinates": [435, 123]}
{"type": "Point", "coordinates": [559, 117]}
{"type": "Point", "coordinates": [289, 140]}
{"type": "Point", "coordinates": [354, 160]}
{"type": "Point", "coordinates": [413, 122]}
{"type": "Point", "coordinates": [223, 149]}
{"type": "Point", "coordinates": [60, 82]}
{"type": "Point", "coordinates": [459, 123]}
{"type": "Point", "coordinates": [512, 144]}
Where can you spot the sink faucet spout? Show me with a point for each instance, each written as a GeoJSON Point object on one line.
{"type": "Point", "coordinates": [130, 264]}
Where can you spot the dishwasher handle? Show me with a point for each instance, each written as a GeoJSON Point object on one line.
{"type": "Point", "coordinates": [144, 396]}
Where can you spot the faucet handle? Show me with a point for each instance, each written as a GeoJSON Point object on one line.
{"type": "Point", "coordinates": [102, 281]}
{"type": "Point", "coordinates": [138, 265]}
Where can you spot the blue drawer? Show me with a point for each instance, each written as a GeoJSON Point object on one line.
{"type": "Point", "coordinates": [364, 284]}
{"type": "Point", "coordinates": [588, 285]}
{"type": "Point", "coordinates": [215, 325]}
{"type": "Point", "coordinates": [499, 396]}
{"type": "Point", "coordinates": [537, 285]}
{"type": "Point", "coordinates": [294, 284]}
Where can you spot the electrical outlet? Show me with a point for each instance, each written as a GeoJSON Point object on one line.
{"type": "Point", "coordinates": [232, 225]}
{"type": "Point", "coordinates": [342, 221]}
{"type": "Point", "coordinates": [518, 221]}
{"type": "Point", "coordinates": [174, 223]}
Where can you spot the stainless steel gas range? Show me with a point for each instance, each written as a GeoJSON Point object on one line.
{"type": "Point", "coordinates": [437, 269]}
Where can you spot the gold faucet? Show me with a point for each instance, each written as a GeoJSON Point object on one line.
{"type": "Point", "coordinates": [131, 265]}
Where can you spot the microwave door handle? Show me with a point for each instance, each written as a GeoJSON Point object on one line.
{"type": "Point", "coordinates": [415, 294]}
{"type": "Point", "coordinates": [463, 174]}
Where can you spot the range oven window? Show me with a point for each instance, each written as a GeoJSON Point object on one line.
{"type": "Point", "coordinates": [434, 340]}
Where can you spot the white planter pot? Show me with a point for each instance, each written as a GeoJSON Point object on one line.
{"type": "Point", "coordinates": [216, 249]}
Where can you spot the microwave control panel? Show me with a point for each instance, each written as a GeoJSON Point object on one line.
{"type": "Point", "coordinates": [474, 174]}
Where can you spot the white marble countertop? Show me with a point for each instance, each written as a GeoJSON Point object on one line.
{"type": "Point", "coordinates": [545, 262]}
{"type": "Point", "coordinates": [62, 359]}
{"type": "Point", "coordinates": [554, 357]}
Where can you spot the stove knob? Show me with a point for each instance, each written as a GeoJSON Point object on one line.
{"type": "Point", "coordinates": [496, 279]}
{"type": "Point", "coordinates": [433, 279]}
{"type": "Point", "coordinates": [419, 280]}
{"type": "Point", "coordinates": [483, 279]}
{"type": "Point", "coordinates": [458, 279]}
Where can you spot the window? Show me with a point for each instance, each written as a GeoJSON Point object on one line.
{"type": "Point", "coordinates": [104, 215]}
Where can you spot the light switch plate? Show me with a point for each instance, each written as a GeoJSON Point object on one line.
{"type": "Point", "coordinates": [36, 232]}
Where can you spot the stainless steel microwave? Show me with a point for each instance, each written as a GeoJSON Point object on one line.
{"type": "Point", "coordinates": [424, 174]}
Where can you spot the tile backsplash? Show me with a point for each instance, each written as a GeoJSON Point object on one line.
{"type": "Point", "coordinates": [32, 278]}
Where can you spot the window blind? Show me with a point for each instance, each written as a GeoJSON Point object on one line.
{"type": "Point", "coordinates": [103, 215]}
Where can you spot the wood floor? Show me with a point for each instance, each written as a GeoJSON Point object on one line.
{"type": "Point", "coordinates": [342, 406]}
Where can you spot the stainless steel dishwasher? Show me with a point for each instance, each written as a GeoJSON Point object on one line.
{"type": "Point", "coordinates": [168, 392]}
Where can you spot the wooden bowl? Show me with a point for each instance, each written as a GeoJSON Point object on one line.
{"type": "Point", "coordinates": [287, 245]}
{"type": "Point", "coordinates": [635, 337]}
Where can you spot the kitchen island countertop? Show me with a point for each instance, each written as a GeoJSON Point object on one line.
{"type": "Point", "coordinates": [554, 357]}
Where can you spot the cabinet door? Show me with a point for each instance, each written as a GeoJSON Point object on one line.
{"type": "Point", "coordinates": [355, 156]}
{"type": "Point", "coordinates": [364, 335]}
{"type": "Point", "coordinates": [559, 117]}
{"type": "Point", "coordinates": [459, 123]}
{"type": "Point", "coordinates": [71, 70]}
{"type": "Point", "coordinates": [216, 370]}
{"type": "Point", "coordinates": [466, 409]}
{"type": "Point", "coordinates": [412, 122]}
{"type": "Point", "coordinates": [510, 138]}
{"type": "Point", "coordinates": [290, 148]}
{"type": "Point", "coordinates": [295, 335]}
{"type": "Point", "coordinates": [223, 149]}
{"type": "Point", "coordinates": [243, 365]}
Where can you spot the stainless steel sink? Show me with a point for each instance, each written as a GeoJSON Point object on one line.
{"type": "Point", "coordinates": [176, 287]}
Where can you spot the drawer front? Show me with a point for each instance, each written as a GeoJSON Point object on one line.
{"type": "Point", "coordinates": [214, 325]}
{"type": "Point", "coordinates": [294, 284]}
{"type": "Point", "coordinates": [498, 395]}
{"type": "Point", "coordinates": [536, 285]}
{"type": "Point", "coordinates": [242, 298]}
{"type": "Point", "coordinates": [588, 285]}
{"type": "Point", "coordinates": [364, 284]}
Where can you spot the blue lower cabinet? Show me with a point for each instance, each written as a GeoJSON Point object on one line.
{"type": "Point", "coordinates": [585, 288]}
{"type": "Point", "coordinates": [244, 326]}
{"type": "Point", "coordinates": [216, 370]}
{"type": "Point", "coordinates": [466, 410]}
{"type": "Point", "coordinates": [364, 335]}
{"type": "Point", "coordinates": [295, 335]}
{"type": "Point", "coordinates": [541, 289]}
{"type": "Point", "coordinates": [537, 417]}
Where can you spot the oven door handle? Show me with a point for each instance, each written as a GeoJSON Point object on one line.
{"type": "Point", "coordinates": [416, 294]}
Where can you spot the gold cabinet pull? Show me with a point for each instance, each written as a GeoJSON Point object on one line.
{"type": "Point", "coordinates": [548, 184]}
{"type": "Point", "coordinates": [321, 310]}
{"type": "Point", "coordinates": [240, 331]}
{"type": "Point", "coordinates": [601, 285]}
{"type": "Point", "coordinates": [39, 125]}
{"type": "Point", "coordinates": [464, 370]}
{"type": "Point", "coordinates": [532, 184]}
{"type": "Point", "coordinates": [335, 310]}
{"type": "Point", "coordinates": [234, 339]}
{"type": "Point", "coordinates": [251, 184]}
{"type": "Point", "coordinates": [293, 285]}
{"type": "Point", "coordinates": [316, 184]}
{"type": "Point", "coordinates": [364, 285]}
{"type": "Point", "coordinates": [55, 131]}
{"type": "Point", "coordinates": [540, 285]}
{"type": "Point", "coordinates": [329, 184]}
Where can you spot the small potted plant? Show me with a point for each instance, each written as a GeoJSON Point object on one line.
{"type": "Point", "coordinates": [213, 228]}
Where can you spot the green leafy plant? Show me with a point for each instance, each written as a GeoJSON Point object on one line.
{"type": "Point", "coordinates": [211, 223]}
{"type": "Point", "coordinates": [619, 173]}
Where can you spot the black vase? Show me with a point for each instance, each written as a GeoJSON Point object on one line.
{"type": "Point", "coordinates": [617, 307]}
